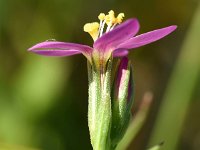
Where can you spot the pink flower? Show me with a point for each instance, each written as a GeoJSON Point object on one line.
{"type": "Point", "coordinates": [116, 41]}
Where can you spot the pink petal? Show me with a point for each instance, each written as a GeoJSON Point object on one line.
{"type": "Point", "coordinates": [60, 49]}
{"type": "Point", "coordinates": [117, 36]}
{"type": "Point", "coordinates": [59, 53]}
{"type": "Point", "coordinates": [147, 38]}
{"type": "Point", "coordinates": [120, 52]}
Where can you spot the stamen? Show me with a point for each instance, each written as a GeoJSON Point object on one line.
{"type": "Point", "coordinates": [101, 16]}
{"type": "Point", "coordinates": [113, 27]}
{"type": "Point", "coordinates": [92, 29]}
{"type": "Point", "coordinates": [110, 18]}
{"type": "Point", "coordinates": [102, 27]}
{"type": "Point", "coordinates": [96, 29]}
{"type": "Point", "coordinates": [120, 18]}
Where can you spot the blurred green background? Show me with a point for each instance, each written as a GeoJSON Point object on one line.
{"type": "Point", "coordinates": [43, 100]}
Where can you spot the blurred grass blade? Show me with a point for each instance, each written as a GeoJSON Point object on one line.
{"type": "Point", "coordinates": [157, 147]}
{"type": "Point", "coordinates": [4, 146]}
{"type": "Point", "coordinates": [38, 83]}
{"type": "Point", "coordinates": [137, 123]}
{"type": "Point", "coordinates": [179, 92]}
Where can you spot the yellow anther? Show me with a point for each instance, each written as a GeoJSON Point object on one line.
{"type": "Point", "coordinates": [92, 29]}
{"type": "Point", "coordinates": [107, 19]}
{"type": "Point", "coordinates": [101, 16]}
{"type": "Point", "coordinates": [96, 30]}
{"type": "Point", "coordinates": [120, 18]}
{"type": "Point", "coordinates": [111, 13]}
{"type": "Point", "coordinates": [110, 18]}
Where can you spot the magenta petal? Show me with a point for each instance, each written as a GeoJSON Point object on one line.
{"type": "Point", "coordinates": [120, 53]}
{"type": "Point", "coordinates": [59, 53]}
{"type": "Point", "coordinates": [121, 75]}
{"type": "Point", "coordinates": [60, 49]}
{"type": "Point", "coordinates": [147, 38]}
{"type": "Point", "coordinates": [118, 35]}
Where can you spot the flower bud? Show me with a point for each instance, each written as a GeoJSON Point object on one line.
{"type": "Point", "coordinates": [122, 98]}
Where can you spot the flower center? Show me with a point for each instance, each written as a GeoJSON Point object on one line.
{"type": "Point", "coordinates": [96, 29]}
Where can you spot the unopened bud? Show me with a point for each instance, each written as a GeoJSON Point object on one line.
{"type": "Point", "coordinates": [122, 99]}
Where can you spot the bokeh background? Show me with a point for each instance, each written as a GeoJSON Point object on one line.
{"type": "Point", "coordinates": [43, 100]}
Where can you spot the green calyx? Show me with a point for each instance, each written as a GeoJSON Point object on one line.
{"type": "Point", "coordinates": [99, 109]}
{"type": "Point", "coordinates": [108, 114]}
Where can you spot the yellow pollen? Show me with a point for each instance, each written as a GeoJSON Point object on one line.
{"type": "Point", "coordinates": [111, 13]}
{"type": "Point", "coordinates": [96, 30]}
{"type": "Point", "coordinates": [120, 18]}
{"type": "Point", "coordinates": [92, 29]}
{"type": "Point", "coordinates": [101, 16]}
{"type": "Point", "coordinates": [110, 18]}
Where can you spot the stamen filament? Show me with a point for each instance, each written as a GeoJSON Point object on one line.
{"type": "Point", "coordinates": [109, 26]}
{"type": "Point", "coordinates": [102, 27]}
{"type": "Point", "coordinates": [113, 27]}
